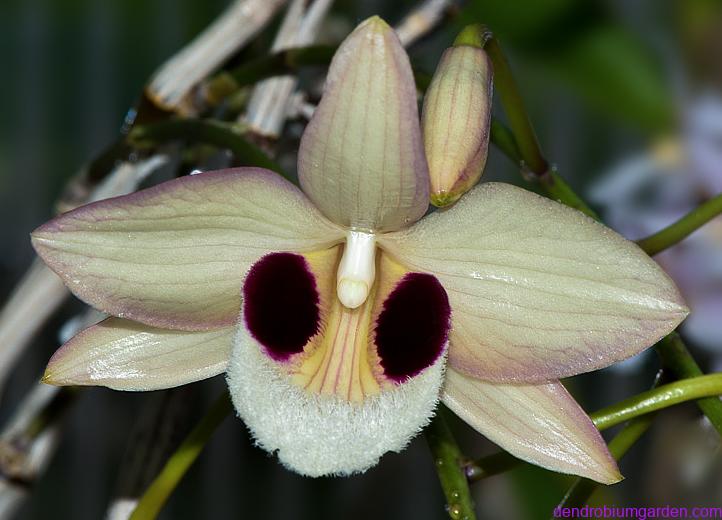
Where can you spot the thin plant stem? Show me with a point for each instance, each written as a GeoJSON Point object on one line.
{"type": "Point", "coordinates": [494, 464]}
{"type": "Point", "coordinates": [582, 489]}
{"type": "Point", "coordinates": [684, 227]}
{"type": "Point", "coordinates": [153, 438]}
{"type": "Point", "coordinates": [513, 104]}
{"type": "Point", "coordinates": [504, 140]}
{"type": "Point", "coordinates": [664, 396]}
{"type": "Point", "coordinates": [449, 463]}
{"type": "Point", "coordinates": [217, 133]}
{"type": "Point", "coordinates": [286, 62]}
{"type": "Point", "coordinates": [677, 360]}
{"type": "Point", "coordinates": [658, 398]}
{"type": "Point", "coordinates": [557, 188]}
{"type": "Point", "coordinates": [280, 63]}
{"type": "Point", "coordinates": [170, 476]}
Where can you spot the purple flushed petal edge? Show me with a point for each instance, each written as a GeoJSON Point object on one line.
{"type": "Point", "coordinates": [87, 212]}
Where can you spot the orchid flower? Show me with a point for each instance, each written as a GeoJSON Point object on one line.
{"type": "Point", "coordinates": [340, 316]}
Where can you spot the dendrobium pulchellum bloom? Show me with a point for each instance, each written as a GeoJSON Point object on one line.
{"type": "Point", "coordinates": [341, 316]}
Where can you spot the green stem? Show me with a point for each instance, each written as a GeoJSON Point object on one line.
{"type": "Point", "coordinates": [677, 360]}
{"type": "Point", "coordinates": [639, 405]}
{"type": "Point", "coordinates": [278, 64]}
{"type": "Point", "coordinates": [557, 188]}
{"type": "Point", "coordinates": [170, 476]}
{"type": "Point", "coordinates": [504, 140]}
{"type": "Point", "coordinates": [582, 489]}
{"type": "Point", "coordinates": [513, 104]}
{"type": "Point", "coordinates": [630, 433]}
{"type": "Point", "coordinates": [553, 184]}
{"type": "Point", "coordinates": [474, 35]}
{"type": "Point", "coordinates": [53, 411]}
{"type": "Point", "coordinates": [491, 465]}
{"type": "Point", "coordinates": [217, 133]}
{"type": "Point", "coordinates": [684, 227]}
{"type": "Point", "coordinates": [289, 61]}
{"type": "Point", "coordinates": [449, 464]}
{"type": "Point", "coordinates": [658, 398]}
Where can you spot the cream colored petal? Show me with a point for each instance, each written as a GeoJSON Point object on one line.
{"type": "Point", "coordinates": [126, 355]}
{"type": "Point", "coordinates": [538, 291]}
{"type": "Point", "coordinates": [455, 121]}
{"type": "Point", "coordinates": [541, 424]}
{"type": "Point", "coordinates": [174, 256]}
{"type": "Point", "coordinates": [361, 159]}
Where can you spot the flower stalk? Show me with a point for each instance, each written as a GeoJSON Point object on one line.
{"type": "Point", "coordinates": [680, 363]}
{"type": "Point", "coordinates": [170, 476]}
{"type": "Point", "coordinates": [490, 465]}
{"type": "Point", "coordinates": [275, 64]}
{"type": "Point", "coordinates": [208, 131]}
{"type": "Point", "coordinates": [513, 103]}
{"type": "Point", "coordinates": [449, 465]}
{"type": "Point", "coordinates": [703, 387]}
{"type": "Point", "coordinates": [449, 461]}
{"type": "Point", "coordinates": [582, 489]}
{"type": "Point", "coordinates": [678, 231]}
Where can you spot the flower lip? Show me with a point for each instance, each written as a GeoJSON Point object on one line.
{"type": "Point", "coordinates": [412, 329]}
{"type": "Point", "coordinates": [282, 304]}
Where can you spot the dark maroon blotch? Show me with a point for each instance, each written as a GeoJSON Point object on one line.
{"type": "Point", "coordinates": [281, 304]}
{"type": "Point", "coordinates": [413, 326]}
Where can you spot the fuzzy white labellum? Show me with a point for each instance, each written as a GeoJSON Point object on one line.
{"type": "Point", "coordinates": [329, 387]}
{"type": "Point", "coordinates": [317, 434]}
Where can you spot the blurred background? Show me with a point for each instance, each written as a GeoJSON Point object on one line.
{"type": "Point", "coordinates": [626, 98]}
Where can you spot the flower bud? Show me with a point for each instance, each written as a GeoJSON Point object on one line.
{"type": "Point", "coordinates": [455, 122]}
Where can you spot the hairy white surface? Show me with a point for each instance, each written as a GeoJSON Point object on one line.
{"type": "Point", "coordinates": [318, 435]}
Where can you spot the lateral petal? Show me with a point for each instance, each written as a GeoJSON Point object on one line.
{"type": "Point", "coordinates": [541, 424]}
{"type": "Point", "coordinates": [538, 291]}
{"type": "Point", "coordinates": [125, 355]}
{"type": "Point", "coordinates": [174, 255]}
{"type": "Point", "coordinates": [361, 159]}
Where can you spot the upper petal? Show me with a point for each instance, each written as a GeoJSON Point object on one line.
{"type": "Point", "coordinates": [125, 355]}
{"type": "Point", "coordinates": [538, 291]}
{"type": "Point", "coordinates": [541, 424]}
{"type": "Point", "coordinates": [174, 255]}
{"type": "Point", "coordinates": [361, 159]}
